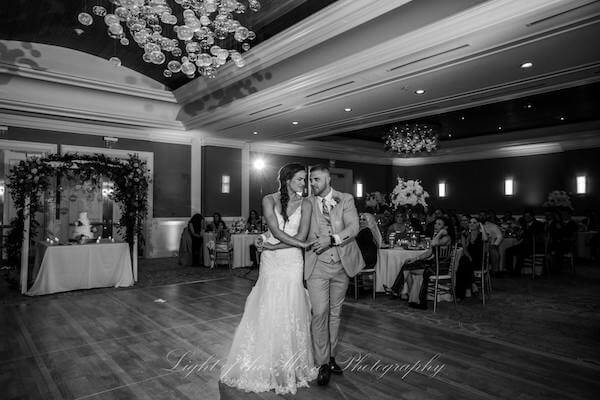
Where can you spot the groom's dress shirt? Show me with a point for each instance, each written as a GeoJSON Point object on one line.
{"type": "Point", "coordinates": [322, 203]}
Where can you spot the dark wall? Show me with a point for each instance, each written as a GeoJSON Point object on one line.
{"type": "Point", "coordinates": [216, 162]}
{"type": "Point", "coordinates": [472, 185]}
{"type": "Point", "coordinates": [373, 177]}
{"type": "Point", "coordinates": [172, 164]}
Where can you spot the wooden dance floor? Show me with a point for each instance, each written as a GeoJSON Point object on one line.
{"type": "Point", "coordinates": [168, 342]}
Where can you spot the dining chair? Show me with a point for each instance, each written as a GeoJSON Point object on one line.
{"type": "Point", "coordinates": [443, 279]}
{"type": "Point", "coordinates": [536, 261]}
{"type": "Point", "coordinates": [483, 278]}
{"type": "Point", "coordinates": [359, 281]}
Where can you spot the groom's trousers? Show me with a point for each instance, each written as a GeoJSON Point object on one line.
{"type": "Point", "coordinates": [327, 288]}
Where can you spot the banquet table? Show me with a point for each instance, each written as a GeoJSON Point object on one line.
{"type": "Point", "coordinates": [389, 264]}
{"type": "Point", "coordinates": [80, 266]}
{"type": "Point", "coordinates": [241, 249]}
{"type": "Point", "coordinates": [582, 244]}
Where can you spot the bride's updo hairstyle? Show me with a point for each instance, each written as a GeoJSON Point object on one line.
{"type": "Point", "coordinates": [285, 174]}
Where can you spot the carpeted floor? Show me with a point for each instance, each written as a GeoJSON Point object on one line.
{"type": "Point", "coordinates": [557, 314]}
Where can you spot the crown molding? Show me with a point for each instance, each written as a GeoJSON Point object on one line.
{"type": "Point", "coordinates": [333, 20]}
{"type": "Point", "coordinates": [30, 147]}
{"type": "Point", "coordinates": [88, 128]}
{"type": "Point", "coordinates": [26, 71]}
{"type": "Point", "coordinates": [54, 110]}
{"type": "Point", "coordinates": [367, 155]}
{"type": "Point", "coordinates": [439, 33]}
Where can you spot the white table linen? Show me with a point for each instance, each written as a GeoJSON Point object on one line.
{"type": "Point", "coordinates": [72, 267]}
{"type": "Point", "coordinates": [241, 249]}
{"type": "Point", "coordinates": [389, 264]}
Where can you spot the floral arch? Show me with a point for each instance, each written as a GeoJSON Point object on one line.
{"type": "Point", "coordinates": [29, 179]}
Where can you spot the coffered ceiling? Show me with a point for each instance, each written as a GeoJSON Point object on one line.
{"type": "Point", "coordinates": [315, 59]}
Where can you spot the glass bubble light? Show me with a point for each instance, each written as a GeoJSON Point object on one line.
{"type": "Point", "coordinates": [190, 36]}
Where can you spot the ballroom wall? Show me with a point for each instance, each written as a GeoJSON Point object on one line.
{"type": "Point", "coordinates": [216, 162]}
{"type": "Point", "coordinates": [373, 177]}
{"type": "Point", "coordinates": [172, 164]}
{"type": "Point", "coordinates": [472, 185]}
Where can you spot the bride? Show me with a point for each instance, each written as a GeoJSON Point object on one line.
{"type": "Point", "coordinates": [272, 346]}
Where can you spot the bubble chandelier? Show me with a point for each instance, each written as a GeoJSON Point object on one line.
{"type": "Point", "coordinates": [198, 44]}
{"type": "Point", "coordinates": [409, 139]}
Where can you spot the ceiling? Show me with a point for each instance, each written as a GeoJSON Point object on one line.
{"type": "Point", "coordinates": [314, 58]}
{"type": "Point", "coordinates": [55, 22]}
{"type": "Point", "coordinates": [565, 106]}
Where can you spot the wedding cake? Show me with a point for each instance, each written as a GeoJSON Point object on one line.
{"type": "Point", "coordinates": [83, 227]}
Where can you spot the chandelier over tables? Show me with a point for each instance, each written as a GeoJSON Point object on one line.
{"type": "Point", "coordinates": [410, 139]}
{"type": "Point", "coordinates": [198, 36]}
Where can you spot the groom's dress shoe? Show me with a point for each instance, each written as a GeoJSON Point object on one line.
{"type": "Point", "coordinates": [335, 369]}
{"type": "Point", "coordinates": [324, 375]}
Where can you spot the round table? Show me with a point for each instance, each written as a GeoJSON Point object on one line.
{"type": "Point", "coordinates": [390, 263]}
{"type": "Point", "coordinates": [241, 249]}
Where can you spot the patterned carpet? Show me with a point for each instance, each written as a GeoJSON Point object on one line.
{"type": "Point", "coordinates": [557, 314]}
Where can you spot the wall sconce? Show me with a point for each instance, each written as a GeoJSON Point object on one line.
{"type": "Point", "coordinates": [509, 187]}
{"type": "Point", "coordinates": [225, 180]}
{"type": "Point", "coordinates": [442, 189]}
{"type": "Point", "coordinates": [359, 190]}
{"type": "Point", "coordinates": [109, 141]}
{"type": "Point", "coordinates": [581, 184]}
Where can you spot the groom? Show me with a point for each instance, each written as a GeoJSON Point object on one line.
{"type": "Point", "coordinates": [332, 260]}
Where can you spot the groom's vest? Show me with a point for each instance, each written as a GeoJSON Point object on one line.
{"type": "Point", "coordinates": [331, 255]}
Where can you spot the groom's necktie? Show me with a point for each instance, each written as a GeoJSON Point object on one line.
{"type": "Point", "coordinates": [325, 208]}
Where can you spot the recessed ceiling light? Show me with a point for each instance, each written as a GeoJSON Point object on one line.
{"type": "Point", "coordinates": [499, 128]}
{"type": "Point", "coordinates": [562, 118]}
{"type": "Point", "coordinates": [419, 91]}
{"type": "Point", "coordinates": [527, 64]}
{"type": "Point", "coordinates": [255, 133]}
{"type": "Point", "coordinates": [528, 106]}
{"type": "Point", "coordinates": [295, 123]}
{"type": "Point", "coordinates": [347, 109]}
{"type": "Point", "coordinates": [449, 135]}
{"type": "Point", "coordinates": [462, 118]}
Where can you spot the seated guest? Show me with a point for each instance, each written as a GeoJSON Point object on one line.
{"type": "Point", "coordinates": [463, 229]}
{"type": "Point", "coordinates": [212, 227]}
{"type": "Point", "coordinates": [368, 239]}
{"type": "Point", "coordinates": [565, 235]}
{"type": "Point", "coordinates": [222, 233]}
{"type": "Point", "coordinates": [191, 243]}
{"type": "Point", "coordinates": [399, 226]}
{"type": "Point", "coordinates": [430, 221]}
{"type": "Point", "coordinates": [471, 259]}
{"type": "Point", "coordinates": [532, 234]}
{"type": "Point", "coordinates": [494, 235]}
{"type": "Point", "coordinates": [423, 265]}
{"type": "Point", "coordinates": [254, 222]}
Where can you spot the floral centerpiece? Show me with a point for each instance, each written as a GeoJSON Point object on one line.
{"type": "Point", "coordinates": [558, 199]}
{"type": "Point", "coordinates": [409, 193]}
{"type": "Point", "coordinates": [239, 226]}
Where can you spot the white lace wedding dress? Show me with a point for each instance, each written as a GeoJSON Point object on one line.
{"type": "Point", "coordinates": [272, 347]}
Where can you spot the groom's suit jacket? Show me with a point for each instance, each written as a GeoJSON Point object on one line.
{"type": "Point", "coordinates": [343, 221]}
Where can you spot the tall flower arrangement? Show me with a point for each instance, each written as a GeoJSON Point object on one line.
{"type": "Point", "coordinates": [409, 193]}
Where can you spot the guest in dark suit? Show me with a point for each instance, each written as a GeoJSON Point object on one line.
{"type": "Point", "coordinates": [195, 226]}
{"type": "Point", "coordinates": [532, 235]}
